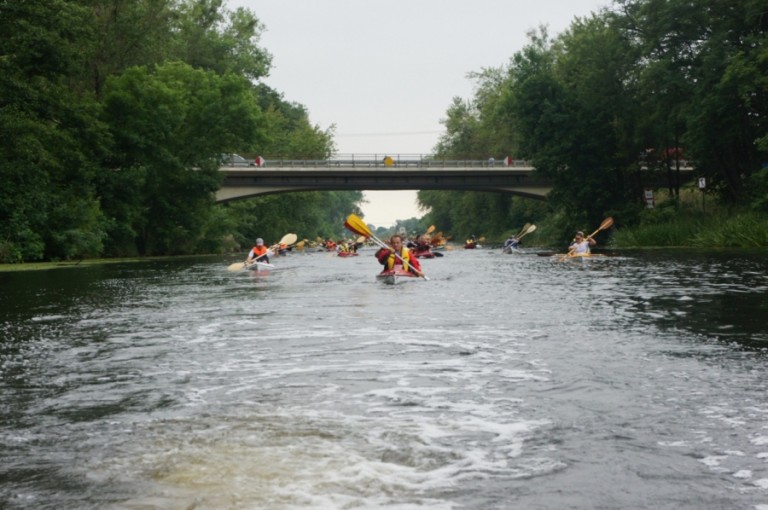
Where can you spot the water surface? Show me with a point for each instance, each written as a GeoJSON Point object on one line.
{"type": "Point", "coordinates": [505, 381]}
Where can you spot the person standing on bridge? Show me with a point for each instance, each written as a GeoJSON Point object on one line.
{"type": "Point", "coordinates": [258, 253]}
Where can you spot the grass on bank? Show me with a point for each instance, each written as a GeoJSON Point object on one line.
{"type": "Point", "coordinates": [687, 222]}
{"type": "Point", "coordinates": [690, 222]}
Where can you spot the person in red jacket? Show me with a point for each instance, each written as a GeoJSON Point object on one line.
{"type": "Point", "coordinates": [406, 258]}
{"type": "Point", "coordinates": [259, 253]}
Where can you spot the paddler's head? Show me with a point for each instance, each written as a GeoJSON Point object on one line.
{"type": "Point", "coordinates": [259, 242]}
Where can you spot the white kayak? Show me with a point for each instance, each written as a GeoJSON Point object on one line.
{"type": "Point", "coordinates": [259, 266]}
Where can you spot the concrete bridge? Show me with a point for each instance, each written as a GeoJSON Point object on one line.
{"type": "Point", "coordinates": [395, 173]}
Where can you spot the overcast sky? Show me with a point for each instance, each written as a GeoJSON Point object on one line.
{"type": "Point", "coordinates": [384, 73]}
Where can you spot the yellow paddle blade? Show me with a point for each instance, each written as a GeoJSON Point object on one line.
{"type": "Point", "coordinates": [607, 223]}
{"type": "Point", "coordinates": [288, 239]}
{"type": "Point", "coordinates": [361, 239]}
{"type": "Point", "coordinates": [523, 230]}
{"type": "Point", "coordinates": [358, 226]}
{"type": "Point", "coordinates": [237, 266]}
{"type": "Point", "coordinates": [431, 229]}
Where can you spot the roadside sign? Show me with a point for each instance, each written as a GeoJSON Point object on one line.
{"type": "Point", "coordinates": [508, 161]}
{"type": "Point", "coordinates": [649, 200]}
{"type": "Point", "coordinates": [702, 182]}
{"type": "Point", "coordinates": [259, 161]}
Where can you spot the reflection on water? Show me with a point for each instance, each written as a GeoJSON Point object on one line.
{"type": "Point", "coordinates": [633, 381]}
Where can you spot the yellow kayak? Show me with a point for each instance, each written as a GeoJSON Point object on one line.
{"type": "Point", "coordinates": [578, 256]}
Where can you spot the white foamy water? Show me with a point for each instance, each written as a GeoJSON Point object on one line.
{"type": "Point", "coordinates": [503, 382]}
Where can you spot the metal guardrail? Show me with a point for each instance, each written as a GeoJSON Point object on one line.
{"type": "Point", "coordinates": [399, 161]}
{"type": "Point", "coordinates": [394, 163]}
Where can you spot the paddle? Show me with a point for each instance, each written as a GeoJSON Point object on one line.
{"type": "Point", "coordinates": [430, 229]}
{"type": "Point", "coordinates": [530, 229]}
{"type": "Point", "coordinates": [355, 224]}
{"type": "Point", "coordinates": [287, 240]}
{"type": "Point", "coordinates": [607, 223]}
{"type": "Point", "coordinates": [525, 227]}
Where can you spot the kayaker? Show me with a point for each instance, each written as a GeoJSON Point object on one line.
{"type": "Point", "coordinates": [580, 245]}
{"type": "Point", "coordinates": [259, 253]}
{"type": "Point", "coordinates": [421, 243]}
{"type": "Point", "coordinates": [407, 260]}
{"type": "Point", "coordinates": [512, 243]}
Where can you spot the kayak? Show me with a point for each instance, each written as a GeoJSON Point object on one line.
{"type": "Point", "coordinates": [579, 256]}
{"type": "Point", "coordinates": [348, 254]}
{"type": "Point", "coordinates": [509, 249]}
{"type": "Point", "coordinates": [424, 254]}
{"type": "Point", "coordinates": [259, 266]}
{"type": "Point", "coordinates": [470, 246]}
{"type": "Point", "coordinates": [395, 276]}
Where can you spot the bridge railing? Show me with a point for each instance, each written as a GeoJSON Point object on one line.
{"type": "Point", "coordinates": [405, 161]}
{"type": "Point", "coordinates": [395, 161]}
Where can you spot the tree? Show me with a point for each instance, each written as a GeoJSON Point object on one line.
{"type": "Point", "coordinates": [168, 125]}
{"type": "Point", "coordinates": [52, 136]}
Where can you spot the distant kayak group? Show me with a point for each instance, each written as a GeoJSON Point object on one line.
{"type": "Point", "coordinates": [400, 258]}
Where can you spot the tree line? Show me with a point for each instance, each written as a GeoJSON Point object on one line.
{"type": "Point", "coordinates": [114, 116]}
{"type": "Point", "coordinates": [621, 99]}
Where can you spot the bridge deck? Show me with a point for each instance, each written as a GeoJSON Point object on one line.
{"type": "Point", "coordinates": [356, 174]}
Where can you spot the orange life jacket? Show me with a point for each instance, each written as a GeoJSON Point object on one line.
{"type": "Point", "coordinates": [259, 250]}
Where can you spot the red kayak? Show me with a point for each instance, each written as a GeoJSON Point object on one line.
{"type": "Point", "coordinates": [423, 254]}
{"type": "Point", "coordinates": [395, 276]}
{"type": "Point", "coordinates": [348, 254]}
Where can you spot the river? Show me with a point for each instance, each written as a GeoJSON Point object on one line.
{"type": "Point", "coordinates": [505, 381]}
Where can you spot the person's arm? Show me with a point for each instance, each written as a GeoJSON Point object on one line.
{"type": "Point", "coordinates": [382, 255]}
{"type": "Point", "coordinates": [415, 264]}
{"type": "Point", "coordinates": [591, 241]}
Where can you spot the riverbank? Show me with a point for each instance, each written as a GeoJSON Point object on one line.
{"type": "Point", "coordinates": [42, 266]}
{"type": "Point", "coordinates": [687, 227]}
{"type": "Point", "coordinates": [688, 222]}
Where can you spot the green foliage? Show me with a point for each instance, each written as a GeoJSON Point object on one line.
{"type": "Point", "coordinates": [687, 224]}
{"type": "Point", "coordinates": [168, 127]}
{"type": "Point", "coordinates": [598, 108]}
{"type": "Point", "coordinates": [307, 214]}
{"type": "Point", "coordinates": [758, 191]}
{"type": "Point", "coordinates": [52, 136]}
{"type": "Point", "coordinates": [115, 115]}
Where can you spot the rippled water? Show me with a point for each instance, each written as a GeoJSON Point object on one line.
{"type": "Point", "coordinates": [506, 381]}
